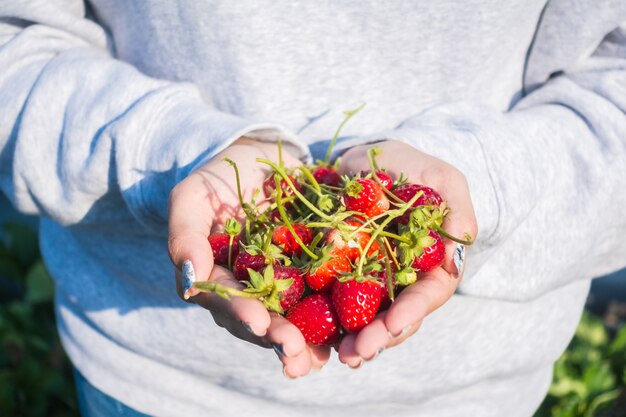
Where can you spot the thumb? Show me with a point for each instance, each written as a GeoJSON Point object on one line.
{"type": "Point", "coordinates": [189, 222]}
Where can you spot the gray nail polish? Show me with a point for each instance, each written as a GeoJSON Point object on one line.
{"type": "Point", "coordinates": [377, 354]}
{"type": "Point", "coordinates": [278, 348]}
{"type": "Point", "coordinates": [189, 277]}
{"type": "Point", "coordinates": [248, 328]}
{"type": "Point", "coordinates": [459, 259]}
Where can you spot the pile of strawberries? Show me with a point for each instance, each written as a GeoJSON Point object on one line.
{"type": "Point", "coordinates": [331, 252]}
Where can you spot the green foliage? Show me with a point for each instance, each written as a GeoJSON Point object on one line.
{"type": "Point", "coordinates": [35, 375]}
{"type": "Point", "coordinates": [590, 376]}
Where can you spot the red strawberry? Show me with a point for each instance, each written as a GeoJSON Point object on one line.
{"type": "Point", "coordinates": [350, 248]}
{"type": "Point", "coordinates": [247, 260]}
{"type": "Point", "coordinates": [220, 245]}
{"type": "Point", "coordinates": [283, 238]}
{"type": "Point", "coordinates": [316, 318]}
{"type": "Point", "coordinates": [356, 303]}
{"type": "Point", "coordinates": [406, 192]}
{"type": "Point", "coordinates": [365, 196]}
{"type": "Point", "coordinates": [321, 277]}
{"type": "Point", "coordinates": [293, 294]}
{"type": "Point", "coordinates": [269, 186]}
{"type": "Point", "coordinates": [383, 177]}
{"type": "Point", "coordinates": [433, 255]}
{"type": "Point", "coordinates": [327, 175]}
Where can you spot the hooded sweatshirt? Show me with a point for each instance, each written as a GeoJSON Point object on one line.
{"type": "Point", "coordinates": [106, 105]}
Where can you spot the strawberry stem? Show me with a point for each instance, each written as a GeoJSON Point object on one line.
{"type": "Point", "coordinates": [349, 115]}
{"type": "Point", "coordinates": [283, 215]}
{"type": "Point", "coordinates": [392, 215]}
{"type": "Point", "coordinates": [302, 198]}
{"type": "Point", "coordinates": [244, 206]}
{"type": "Point", "coordinates": [223, 290]}
{"type": "Point", "coordinates": [307, 173]}
{"type": "Point", "coordinates": [388, 271]}
{"type": "Point", "coordinates": [371, 157]}
{"type": "Point", "coordinates": [468, 238]}
{"type": "Point", "coordinates": [390, 252]}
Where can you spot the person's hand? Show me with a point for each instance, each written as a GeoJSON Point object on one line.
{"type": "Point", "coordinates": [200, 205]}
{"type": "Point", "coordinates": [434, 288]}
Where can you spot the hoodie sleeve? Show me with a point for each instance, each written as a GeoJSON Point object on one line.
{"type": "Point", "coordinates": [547, 177]}
{"type": "Point", "coordinates": [78, 126]}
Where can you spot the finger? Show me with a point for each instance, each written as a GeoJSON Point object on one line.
{"type": "Point", "coordinates": [319, 356]}
{"type": "Point", "coordinates": [297, 366]}
{"type": "Point", "coordinates": [406, 333]}
{"type": "Point", "coordinates": [347, 354]}
{"type": "Point", "coordinates": [189, 221]}
{"type": "Point", "coordinates": [460, 222]}
{"type": "Point", "coordinates": [236, 313]}
{"type": "Point", "coordinates": [420, 299]}
{"type": "Point", "coordinates": [372, 339]}
{"type": "Point", "coordinates": [284, 337]}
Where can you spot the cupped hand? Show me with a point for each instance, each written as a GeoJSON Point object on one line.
{"type": "Point", "coordinates": [200, 205]}
{"type": "Point", "coordinates": [432, 289]}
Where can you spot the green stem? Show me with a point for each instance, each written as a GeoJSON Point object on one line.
{"type": "Point", "coordinates": [391, 252]}
{"type": "Point", "coordinates": [316, 239]}
{"type": "Point", "coordinates": [311, 178]}
{"type": "Point", "coordinates": [371, 157]}
{"type": "Point", "coordinates": [280, 153]}
{"type": "Point", "coordinates": [283, 215]}
{"type": "Point", "coordinates": [302, 198]}
{"type": "Point", "coordinates": [349, 115]}
{"type": "Point", "coordinates": [224, 291]}
{"type": "Point", "coordinates": [388, 271]}
{"type": "Point", "coordinates": [468, 239]}
{"type": "Point", "coordinates": [230, 251]}
{"type": "Point", "coordinates": [244, 206]}
{"type": "Point", "coordinates": [392, 215]}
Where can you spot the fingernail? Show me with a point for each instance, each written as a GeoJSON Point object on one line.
{"type": "Point", "coordinates": [189, 277]}
{"type": "Point", "coordinates": [402, 332]}
{"type": "Point", "coordinates": [359, 365]}
{"type": "Point", "coordinates": [377, 354]}
{"type": "Point", "coordinates": [459, 259]}
{"type": "Point", "coordinates": [247, 326]}
{"type": "Point", "coordinates": [278, 348]}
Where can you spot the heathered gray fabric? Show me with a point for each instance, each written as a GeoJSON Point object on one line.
{"type": "Point", "coordinates": [101, 116]}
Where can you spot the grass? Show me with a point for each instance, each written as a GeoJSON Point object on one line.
{"type": "Point", "coordinates": [36, 377]}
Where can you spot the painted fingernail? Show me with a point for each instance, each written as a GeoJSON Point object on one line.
{"type": "Point", "coordinates": [247, 326]}
{"type": "Point", "coordinates": [189, 277]}
{"type": "Point", "coordinates": [377, 354]}
{"type": "Point", "coordinates": [402, 332]}
{"type": "Point", "coordinates": [459, 259]}
{"type": "Point", "coordinates": [278, 348]}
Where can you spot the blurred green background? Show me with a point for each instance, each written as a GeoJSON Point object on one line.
{"type": "Point", "coordinates": [36, 379]}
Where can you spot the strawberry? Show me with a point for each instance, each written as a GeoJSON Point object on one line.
{"type": "Point", "coordinates": [323, 273]}
{"type": "Point", "coordinates": [383, 177]}
{"type": "Point", "coordinates": [406, 192]}
{"type": "Point", "coordinates": [284, 239]}
{"type": "Point", "coordinates": [293, 294]}
{"type": "Point", "coordinates": [220, 245]}
{"type": "Point", "coordinates": [365, 196]}
{"type": "Point", "coordinates": [433, 254]}
{"type": "Point", "coordinates": [350, 248]}
{"type": "Point", "coordinates": [269, 186]}
{"type": "Point", "coordinates": [356, 302]}
{"type": "Point", "coordinates": [316, 318]}
{"type": "Point", "coordinates": [327, 175]}
{"type": "Point", "coordinates": [246, 260]}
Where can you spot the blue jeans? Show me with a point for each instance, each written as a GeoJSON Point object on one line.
{"type": "Point", "coordinates": [95, 403]}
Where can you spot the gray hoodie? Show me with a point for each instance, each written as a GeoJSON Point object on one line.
{"type": "Point", "coordinates": [103, 108]}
